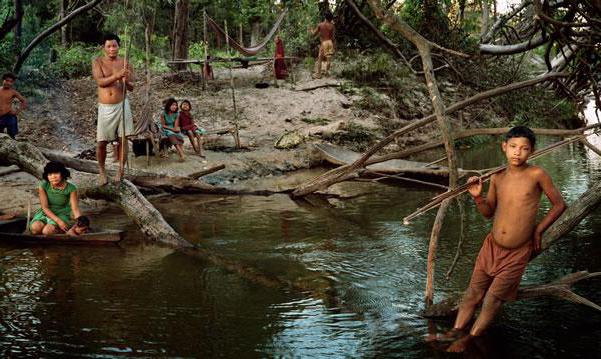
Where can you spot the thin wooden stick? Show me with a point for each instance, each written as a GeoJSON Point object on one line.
{"type": "Point", "coordinates": [206, 46]}
{"type": "Point", "coordinates": [122, 159]}
{"type": "Point", "coordinates": [436, 201]}
{"type": "Point", "coordinates": [384, 175]}
{"type": "Point", "coordinates": [435, 162]}
{"type": "Point", "coordinates": [459, 251]}
{"type": "Point", "coordinates": [28, 215]}
{"type": "Point", "coordinates": [236, 133]}
{"type": "Point", "coordinates": [591, 146]}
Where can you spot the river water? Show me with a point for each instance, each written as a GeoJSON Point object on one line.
{"type": "Point", "coordinates": [138, 299]}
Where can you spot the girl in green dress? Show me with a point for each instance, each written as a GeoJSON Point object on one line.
{"type": "Point", "coordinates": [58, 199]}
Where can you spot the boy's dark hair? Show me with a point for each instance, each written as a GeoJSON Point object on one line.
{"type": "Point", "coordinates": [521, 131]}
{"type": "Point", "coordinates": [111, 37]}
{"type": "Point", "coordinates": [56, 167]}
{"type": "Point", "coordinates": [185, 101]}
{"type": "Point", "coordinates": [9, 75]}
{"type": "Point", "coordinates": [82, 221]}
{"type": "Point", "coordinates": [168, 102]}
{"type": "Point", "coordinates": [329, 16]}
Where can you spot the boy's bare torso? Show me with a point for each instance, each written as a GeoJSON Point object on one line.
{"type": "Point", "coordinates": [518, 196]}
{"type": "Point", "coordinates": [113, 93]}
{"type": "Point", "coordinates": [6, 100]}
{"type": "Point", "coordinates": [326, 31]}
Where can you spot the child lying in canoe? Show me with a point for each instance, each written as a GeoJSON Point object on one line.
{"type": "Point", "coordinates": [58, 199]}
{"type": "Point", "coordinates": [81, 226]}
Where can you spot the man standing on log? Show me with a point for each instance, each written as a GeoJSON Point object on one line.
{"type": "Point", "coordinates": [112, 73]}
{"type": "Point", "coordinates": [513, 200]}
{"type": "Point", "coordinates": [325, 29]}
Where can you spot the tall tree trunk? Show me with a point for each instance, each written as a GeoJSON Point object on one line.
{"type": "Point", "coordinates": [255, 31]}
{"type": "Point", "coordinates": [485, 16]}
{"type": "Point", "coordinates": [148, 27]}
{"type": "Point", "coordinates": [19, 25]}
{"type": "Point", "coordinates": [180, 31]}
{"type": "Point", "coordinates": [62, 11]}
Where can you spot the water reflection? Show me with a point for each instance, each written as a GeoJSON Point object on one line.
{"type": "Point", "coordinates": [367, 269]}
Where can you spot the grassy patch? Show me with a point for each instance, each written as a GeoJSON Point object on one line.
{"type": "Point", "coordinates": [319, 121]}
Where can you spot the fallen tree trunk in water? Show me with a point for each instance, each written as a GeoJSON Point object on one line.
{"type": "Point", "coordinates": [579, 209]}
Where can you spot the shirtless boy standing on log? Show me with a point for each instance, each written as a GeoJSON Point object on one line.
{"type": "Point", "coordinates": [110, 74]}
{"type": "Point", "coordinates": [8, 115]}
{"type": "Point", "coordinates": [325, 29]}
{"type": "Point", "coordinates": [513, 199]}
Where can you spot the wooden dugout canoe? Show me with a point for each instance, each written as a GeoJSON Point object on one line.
{"type": "Point", "coordinates": [341, 156]}
{"type": "Point", "coordinates": [12, 230]}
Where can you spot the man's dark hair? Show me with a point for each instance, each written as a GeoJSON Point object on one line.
{"type": "Point", "coordinates": [83, 221]}
{"type": "Point", "coordinates": [168, 102]}
{"type": "Point", "coordinates": [9, 75]}
{"type": "Point", "coordinates": [521, 131]}
{"type": "Point", "coordinates": [111, 37]}
{"type": "Point", "coordinates": [56, 167]}
{"type": "Point", "coordinates": [329, 16]}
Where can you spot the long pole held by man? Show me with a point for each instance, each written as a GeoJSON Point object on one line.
{"type": "Point", "coordinates": [114, 77]}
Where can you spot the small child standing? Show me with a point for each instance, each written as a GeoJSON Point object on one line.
{"type": "Point", "coordinates": [194, 132]}
{"type": "Point", "coordinates": [512, 201]}
{"type": "Point", "coordinates": [58, 200]}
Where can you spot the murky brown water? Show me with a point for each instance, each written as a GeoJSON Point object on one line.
{"type": "Point", "coordinates": [138, 299]}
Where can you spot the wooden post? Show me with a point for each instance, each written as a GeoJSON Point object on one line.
{"type": "Point", "coordinates": [236, 132]}
{"type": "Point", "coordinates": [206, 48]}
{"type": "Point", "coordinates": [147, 152]}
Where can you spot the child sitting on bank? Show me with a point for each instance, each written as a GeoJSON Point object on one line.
{"type": "Point", "coordinates": [58, 200]}
{"type": "Point", "coordinates": [194, 132]}
{"type": "Point", "coordinates": [171, 126]}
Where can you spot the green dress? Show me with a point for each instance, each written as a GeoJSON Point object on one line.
{"type": "Point", "coordinates": [58, 202]}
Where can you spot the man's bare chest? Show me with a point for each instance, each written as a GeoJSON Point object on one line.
{"type": "Point", "coordinates": [109, 68]}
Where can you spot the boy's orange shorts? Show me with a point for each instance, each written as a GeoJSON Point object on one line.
{"type": "Point", "coordinates": [499, 270]}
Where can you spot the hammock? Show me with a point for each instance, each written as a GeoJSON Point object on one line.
{"type": "Point", "coordinates": [248, 51]}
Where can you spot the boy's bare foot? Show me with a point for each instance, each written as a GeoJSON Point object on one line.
{"type": "Point", "coordinates": [449, 336]}
{"type": "Point", "coordinates": [182, 159]}
{"type": "Point", "coordinates": [102, 179]}
{"type": "Point", "coordinates": [460, 344]}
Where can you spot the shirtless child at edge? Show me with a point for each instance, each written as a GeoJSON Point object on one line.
{"type": "Point", "coordinates": [8, 116]}
{"type": "Point", "coordinates": [111, 74]}
{"type": "Point", "coordinates": [513, 200]}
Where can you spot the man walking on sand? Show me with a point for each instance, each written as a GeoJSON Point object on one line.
{"type": "Point", "coordinates": [8, 115]}
{"type": "Point", "coordinates": [325, 29]}
{"type": "Point", "coordinates": [111, 73]}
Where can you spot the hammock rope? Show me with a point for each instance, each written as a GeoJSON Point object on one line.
{"type": "Point", "coordinates": [248, 51]}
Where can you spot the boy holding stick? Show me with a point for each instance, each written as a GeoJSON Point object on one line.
{"type": "Point", "coordinates": [513, 200]}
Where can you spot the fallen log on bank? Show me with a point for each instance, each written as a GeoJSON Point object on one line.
{"type": "Point", "coordinates": [157, 181]}
{"type": "Point", "coordinates": [575, 212]}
